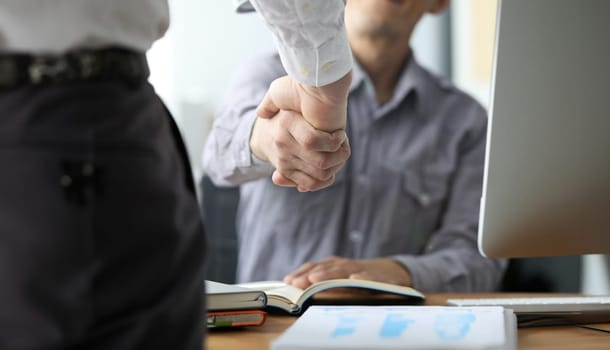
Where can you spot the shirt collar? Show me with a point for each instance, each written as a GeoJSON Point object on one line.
{"type": "Point", "coordinates": [412, 81]}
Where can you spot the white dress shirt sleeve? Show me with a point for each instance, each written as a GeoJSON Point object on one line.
{"type": "Point", "coordinates": [310, 37]}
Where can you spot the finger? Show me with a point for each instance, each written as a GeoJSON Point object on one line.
{"type": "Point", "coordinates": [306, 172]}
{"type": "Point", "coordinates": [323, 160]}
{"type": "Point", "coordinates": [362, 275]}
{"type": "Point", "coordinates": [313, 139]}
{"type": "Point", "coordinates": [330, 161]}
{"type": "Point", "coordinates": [290, 163]}
{"type": "Point", "coordinates": [327, 272]}
{"type": "Point", "coordinates": [267, 109]}
{"type": "Point", "coordinates": [290, 134]}
{"type": "Point", "coordinates": [302, 270]}
{"type": "Point", "coordinates": [280, 96]}
{"type": "Point", "coordinates": [291, 172]}
{"type": "Point", "coordinates": [280, 180]}
{"type": "Point", "coordinates": [306, 183]}
{"type": "Point", "coordinates": [301, 282]}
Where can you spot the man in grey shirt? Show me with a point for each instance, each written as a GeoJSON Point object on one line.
{"type": "Point", "coordinates": [405, 207]}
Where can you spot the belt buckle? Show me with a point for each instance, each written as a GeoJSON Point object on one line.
{"type": "Point", "coordinates": [48, 69]}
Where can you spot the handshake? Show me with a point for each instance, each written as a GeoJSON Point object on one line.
{"type": "Point", "coordinates": [300, 130]}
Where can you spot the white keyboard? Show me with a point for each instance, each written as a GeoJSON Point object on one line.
{"type": "Point", "coordinates": [547, 304]}
{"type": "Point", "coordinates": [582, 309]}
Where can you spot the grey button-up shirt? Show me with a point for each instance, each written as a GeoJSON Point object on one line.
{"type": "Point", "coordinates": [410, 191]}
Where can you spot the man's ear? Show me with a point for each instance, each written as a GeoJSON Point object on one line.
{"type": "Point", "coordinates": [438, 6]}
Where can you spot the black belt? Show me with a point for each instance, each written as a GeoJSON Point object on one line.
{"type": "Point", "coordinates": [105, 64]}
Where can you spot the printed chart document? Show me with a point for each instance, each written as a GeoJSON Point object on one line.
{"type": "Point", "coordinates": [401, 327]}
{"type": "Point", "coordinates": [293, 300]}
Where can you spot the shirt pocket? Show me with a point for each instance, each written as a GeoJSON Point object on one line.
{"type": "Point", "coordinates": [428, 191]}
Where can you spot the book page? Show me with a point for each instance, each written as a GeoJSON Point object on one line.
{"type": "Point", "coordinates": [277, 290]}
{"type": "Point", "coordinates": [362, 284]}
{"type": "Point", "coordinates": [396, 327]}
{"type": "Point", "coordinates": [262, 285]}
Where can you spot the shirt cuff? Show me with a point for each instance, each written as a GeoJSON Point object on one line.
{"type": "Point", "coordinates": [425, 275]}
{"type": "Point", "coordinates": [242, 152]}
{"type": "Point", "coordinates": [318, 66]}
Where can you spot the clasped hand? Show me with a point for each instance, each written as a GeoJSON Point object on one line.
{"type": "Point", "coordinates": [381, 269]}
{"type": "Point", "coordinates": [301, 131]}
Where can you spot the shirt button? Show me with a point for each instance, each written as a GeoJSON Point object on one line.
{"type": "Point", "coordinates": [355, 236]}
{"type": "Point", "coordinates": [303, 71]}
{"type": "Point", "coordinates": [362, 180]}
{"type": "Point", "coordinates": [424, 199]}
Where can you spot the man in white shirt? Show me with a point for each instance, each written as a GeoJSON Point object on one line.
{"type": "Point", "coordinates": [101, 245]}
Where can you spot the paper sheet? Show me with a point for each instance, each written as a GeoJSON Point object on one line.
{"type": "Point", "coordinates": [396, 327]}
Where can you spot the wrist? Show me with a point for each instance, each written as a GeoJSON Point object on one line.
{"type": "Point", "coordinates": [325, 107]}
{"type": "Point", "coordinates": [256, 141]}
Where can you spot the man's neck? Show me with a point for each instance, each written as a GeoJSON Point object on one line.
{"type": "Point", "coordinates": [383, 60]}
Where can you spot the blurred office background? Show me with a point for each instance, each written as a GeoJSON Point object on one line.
{"type": "Point", "coordinates": [192, 64]}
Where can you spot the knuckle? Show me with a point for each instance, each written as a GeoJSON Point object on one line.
{"type": "Point", "coordinates": [346, 151]}
{"type": "Point", "coordinates": [335, 143]}
{"type": "Point", "coordinates": [321, 161]}
{"type": "Point", "coordinates": [326, 174]}
{"type": "Point", "coordinates": [307, 265]}
{"type": "Point", "coordinates": [310, 140]}
{"type": "Point", "coordinates": [283, 160]}
{"type": "Point", "coordinates": [281, 141]}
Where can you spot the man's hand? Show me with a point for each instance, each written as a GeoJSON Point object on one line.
{"type": "Point", "coordinates": [304, 156]}
{"type": "Point", "coordinates": [324, 108]}
{"type": "Point", "coordinates": [382, 270]}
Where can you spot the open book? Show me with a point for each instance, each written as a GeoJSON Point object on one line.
{"type": "Point", "coordinates": [294, 300]}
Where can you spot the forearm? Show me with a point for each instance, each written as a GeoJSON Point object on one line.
{"type": "Point", "coordinates": [227, 158]}
{"type": "Point", "coordinates": [453, 269]}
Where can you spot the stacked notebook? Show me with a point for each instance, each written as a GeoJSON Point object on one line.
{"type": "Point", "coordinates": [233, 306]}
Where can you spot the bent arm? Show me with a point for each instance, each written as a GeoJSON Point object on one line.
{"type": "Point", "coordinates": [451, 261]}
{"type": "Point", "coordinates": [227, 157]}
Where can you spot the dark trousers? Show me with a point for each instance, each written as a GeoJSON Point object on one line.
{"type": "Point", "coordinates": [101, 244]}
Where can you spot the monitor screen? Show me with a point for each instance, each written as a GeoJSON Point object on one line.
{"type": "Point", "coordinates": [546, 189]}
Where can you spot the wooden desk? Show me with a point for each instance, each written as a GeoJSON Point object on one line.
{"type": "Point", "coordinates": [569, 337]}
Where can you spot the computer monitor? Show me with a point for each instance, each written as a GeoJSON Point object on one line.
{"type": "Point", "coordinates": [546, 188]}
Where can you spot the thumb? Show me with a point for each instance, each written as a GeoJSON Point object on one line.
{"type": "Point", "coordinates": [362, 275]}
{"type": "Point", "coordinates": [281, 180]}
{"type": "Point", "coordinates": [267, 108]}
{"type": "Point", "coordinates": [282, 94]}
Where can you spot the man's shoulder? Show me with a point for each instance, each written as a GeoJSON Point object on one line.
{"type": "Point", "coordinates": [451, 98]}
{"type": "Point", "coordinates": [445, 86]}
{"type": "Point", "coordinates": [267, 63]}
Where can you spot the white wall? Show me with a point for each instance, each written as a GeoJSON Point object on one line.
{"type": "Point", "coordinates": [190, 66]}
